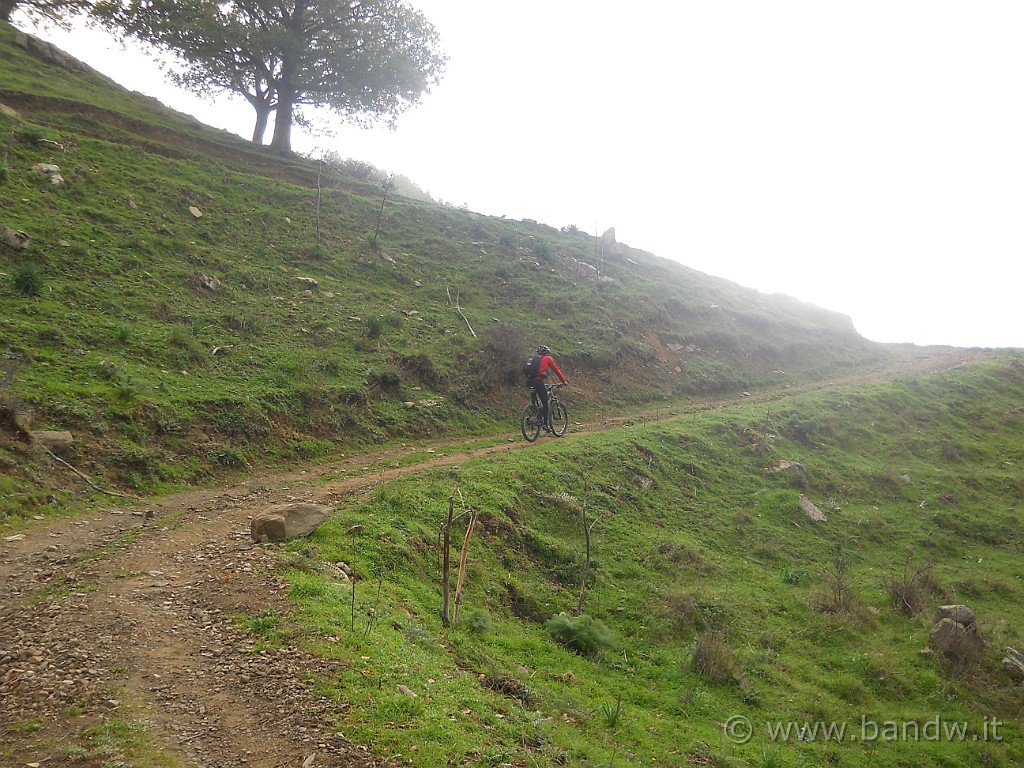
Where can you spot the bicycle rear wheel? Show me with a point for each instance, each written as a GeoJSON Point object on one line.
{"type": "Point", "coordinates": [559, 417]}
{"type": "Point", "coordinates": [529, 422]}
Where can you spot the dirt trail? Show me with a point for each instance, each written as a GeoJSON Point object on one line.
{"type": "Point", "coordinates": [125, 615]}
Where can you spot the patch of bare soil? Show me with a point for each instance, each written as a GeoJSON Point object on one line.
{"type": "Point", "coordinates": [129, 615]}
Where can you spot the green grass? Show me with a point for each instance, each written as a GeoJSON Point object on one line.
{"type": "Point", "coordinates": [707, 574]}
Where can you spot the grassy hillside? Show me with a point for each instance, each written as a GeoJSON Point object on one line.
{"type": "Point", "coordinates": [190, 303]}
{"type": "Point", "coordinates": [712, 594]}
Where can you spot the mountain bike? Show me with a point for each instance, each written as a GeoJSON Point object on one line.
{"type": "Point", "coordinates": [532, 420]}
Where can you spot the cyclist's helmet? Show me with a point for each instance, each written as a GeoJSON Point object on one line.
{"type": "Point", "coordinates": [543, 349]}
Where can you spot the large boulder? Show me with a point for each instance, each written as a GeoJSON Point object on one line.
{"type": "Point", "coordinates": [955, 631]}
{"type": "Point", "coordinates": [288, 521]}
{"type": "Point", "coordinates": [946, 632]}
{"type": "Point", "coordinates": [961, 614]}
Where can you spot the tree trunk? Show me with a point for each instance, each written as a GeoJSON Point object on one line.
{"type": "Point", "coordinates": [262, 118]}
{"type": "Point", "coordinates": [282, 141]}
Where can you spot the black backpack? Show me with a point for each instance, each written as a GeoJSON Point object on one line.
{"type": "Point", "coordinates": [531, 368]}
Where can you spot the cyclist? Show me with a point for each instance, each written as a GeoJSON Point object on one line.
{"type": "Point", "coordinates": [535, 376]}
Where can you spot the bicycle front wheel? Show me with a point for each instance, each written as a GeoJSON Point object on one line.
{"type": "Point", "coordinates": [529, 423]}
{"type": "Point", "coordinates": [559, 417]}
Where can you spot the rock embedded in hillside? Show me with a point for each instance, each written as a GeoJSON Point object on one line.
{"type": "Point", "coordinates": [785, 465]}
{"type": "Point", "coordinates": [954, 624]}
{"type": "Point", "coordinates": [50, 172]}
{"type": "Point", "coordinates": [196, 213]}
{"type": "Point", "coordinates": [812, 510]}
{"type": "Point", "coordinates": [9, 112]}
{"type": "Point", "coordinates": [209, 283]}
{"type": "Point", "coordinates": [58, 442]}
{"type": "Point", "coordinates": [1013, 664]}
{"type": "Point", "coordinates": [960, 614]}
{"type": "Point", "coordinates": [947, 631]}
{"type": "Point", "coordinates": [288, 521]}
{"type": "Point", "coordinates": [14, 239]}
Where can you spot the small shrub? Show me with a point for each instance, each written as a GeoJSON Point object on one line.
{"type": "Point", "coordinates": [123, 334]}
{"type": "Point", "coordinates": [126, 392]}
{"type": "Point", "coordinates": [909, 589]}
{"type": "Point", "coordinates": [796, 576]}
{"type": "Point", "coordinates": [839, 592]}
{"type": "Point", "coordinates": [50, 335]}
{"type": "Point", "coordinates": [583, 634]}
{"type": "Point", "coordinates": [507, 239]}
{"type": "Point", "coordinates": [327, 366]}
{"type": "Point", "coordinates": [317, 252]}
{"type": "Point", "coordinates": [386, 381]}
{"type": "Point", "coordinates": [421, 368]}
{"type": "Point", "coordinates": [374, 327]}
{"type": "Point", "coordinates": [502, 351]}
{"type": "Point", "coordinates": [130, 455]}
{"type": "Point", "coordinates": [27, 278]}
{"type": "Point", "coordinates": [191, 350]}
{"type": "Point", "coordinates": [245, 326]}
{"type": "Point", "coordinates": [691, 611]}
{"type": "Point", "coordinates": [670, 554]}
{"type": "Point", "coordinates": [612, 713]}
{"type": "Point", "coordinates": [4, 173]}
{"type": "Point", "coordinates": [108, 371]}
{"type": "Point", "coordinates": [951, 453]}
{"type": "Point", "coordinates": [36, 134]}
{"type": "Point", "coordinates": [479, 623]}
{"type": "Point", "coordinates": [353, 397]}
{"type": "Point", "coordinates": [712, 657]}
{"type": "Point", "coordinates": [229, 457]}
{"type": "Point", "coordinates": [801, 429]}
{"type": "Point", "coordinates": [771, 757]}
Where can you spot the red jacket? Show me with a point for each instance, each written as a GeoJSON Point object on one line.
{"type": "Point", "coordinates": [546, 363]}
